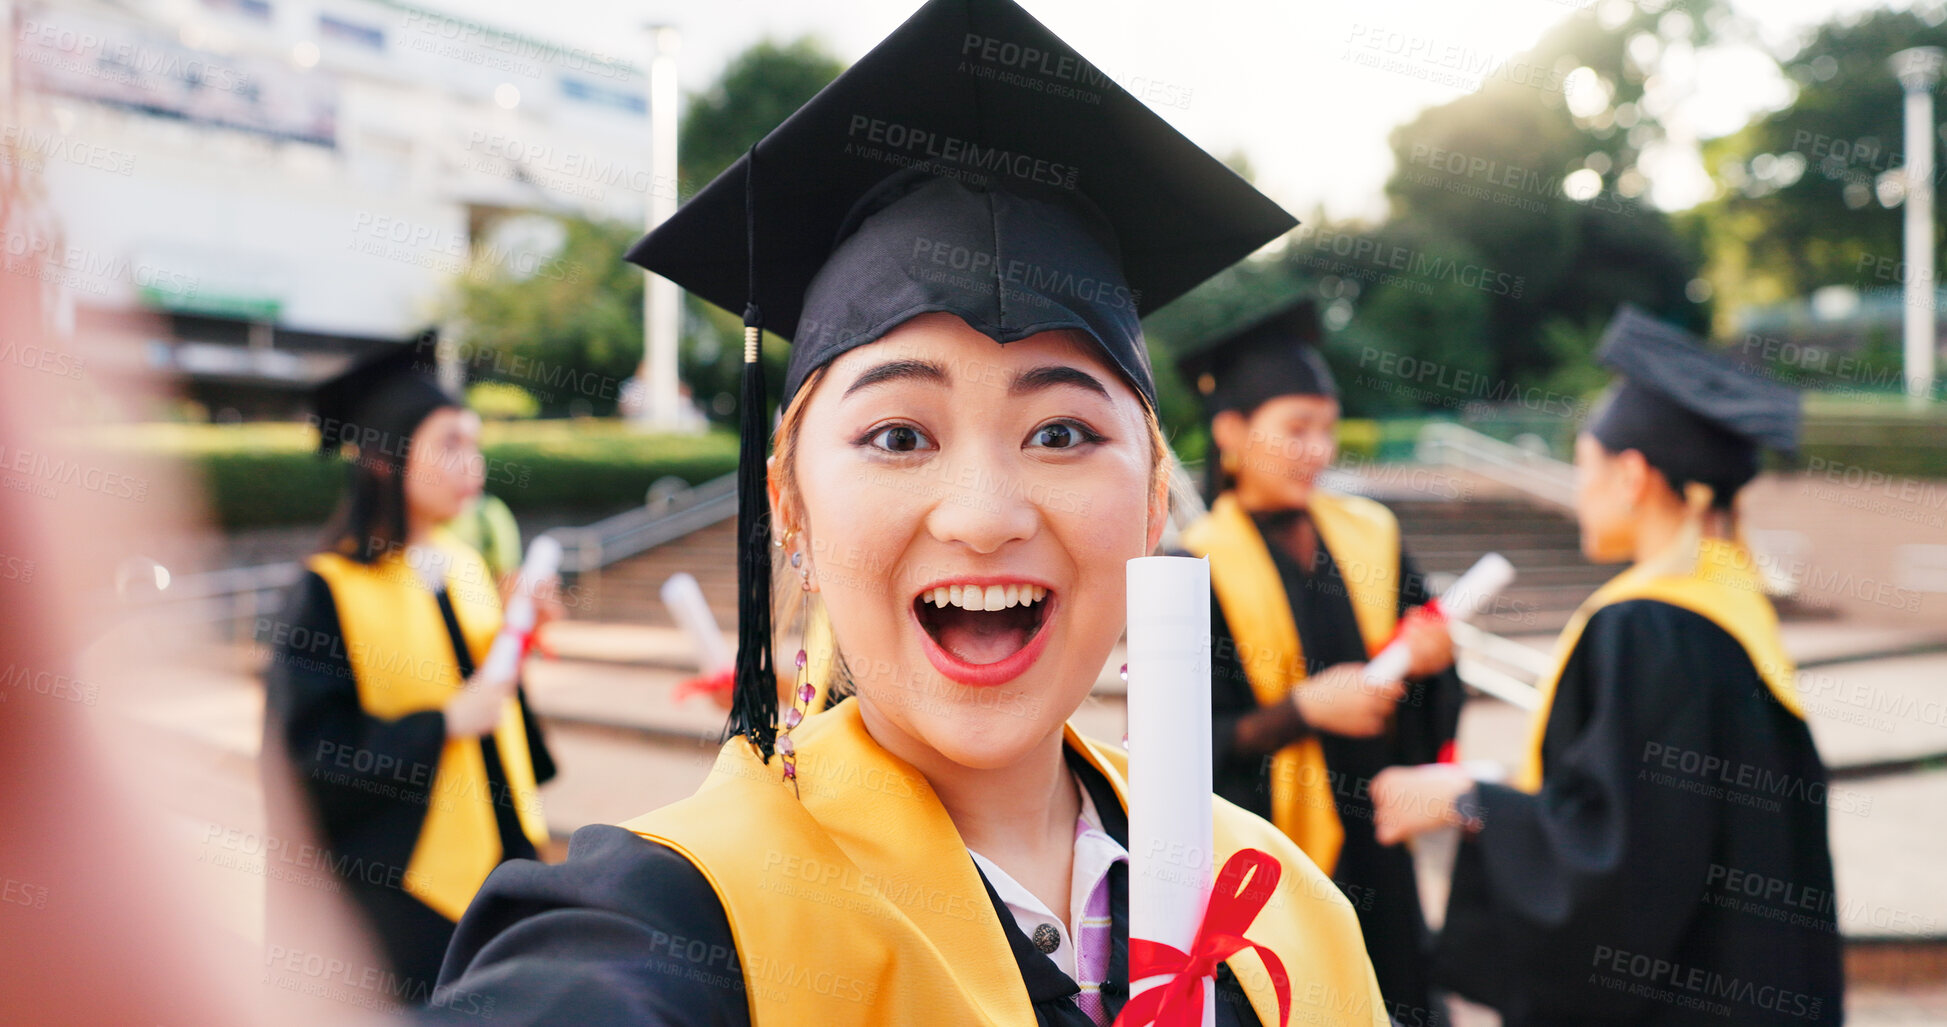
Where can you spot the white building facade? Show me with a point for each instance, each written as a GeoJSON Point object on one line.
{"type": "Point", "coordinates": [252, 190]}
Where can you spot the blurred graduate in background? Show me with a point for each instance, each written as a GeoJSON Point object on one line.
{"type": "Point", "coordinates": [1671, 751]}
{"type": "Point", "coordinates": [1305, 585]}
{"type": "Point", "coordinates": [416, 768]}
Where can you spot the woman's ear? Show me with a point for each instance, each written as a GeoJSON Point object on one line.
{"type": "Point", "coordinates": [1637, 478]}
{"type": "Point", "coordinates": [1159, 511]}
{"type": "Point", "coordinates": [1228, 432]}
{"type": "Point", "coordinates": [784, 520]}
{"type": "Point", "coordinates": [770, 491]}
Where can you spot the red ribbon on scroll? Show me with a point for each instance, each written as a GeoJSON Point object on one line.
{"type": "Point", "coordinates": [1431, 607]}
{"type": "Point", "coordinates": [706, 684]}
{"type": "Point", "coordinates": [1243, 887]}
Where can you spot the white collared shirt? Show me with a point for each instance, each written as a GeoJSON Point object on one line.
{"type": "Point", "coordinates": [1095, 853]}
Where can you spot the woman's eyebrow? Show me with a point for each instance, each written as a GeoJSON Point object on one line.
{"type": "Point", "coordinates": [1051, 375]}
{"type": "Point", "coordinates": [896, 370]}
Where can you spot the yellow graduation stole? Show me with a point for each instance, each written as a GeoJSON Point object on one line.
{"type": "Point", "coordinates": [1363, 538]}
{"type": "Point", "coordinates": [402, 664]}
{"type": "Point", "coordinates": [1723, 587]}
{"type": "Point", "coordinates": [855, 901]}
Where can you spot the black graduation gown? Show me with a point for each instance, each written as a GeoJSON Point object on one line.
{"type": "Point", "coordinates": [1378, 880]}
{"type": "Point", "coordinates": [1673, 869]}
{"type": "Point", "coordinates": [368, 822]}
{"type": "Point", "coordinates": [609, 937]}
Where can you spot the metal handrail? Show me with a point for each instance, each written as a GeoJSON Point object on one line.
{"type": "Point", "coordinates": [1505, 651]}
{"type": "Point", "coordinates": [594, 546]}
{"type": "Point", "coordinates": [1496, 683]}
{"type": "Point", "coordinates": [1478, 650]}
{"type": "Point", "coordinates": [1543, 477]}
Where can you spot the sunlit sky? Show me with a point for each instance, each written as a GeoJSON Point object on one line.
{"type": "Point", "coordinates": [1271, 78]}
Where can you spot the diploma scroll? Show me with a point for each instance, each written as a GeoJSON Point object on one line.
{"type": "Point", "coordinates": [1467, 597]}
{"type": "Point", "coordinates": [1171, 852]}
{"type": "Point", "coordinates": [504, 659]}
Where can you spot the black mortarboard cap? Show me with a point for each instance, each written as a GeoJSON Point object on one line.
{"type": "Point", "coordinates": [377, 402]}
{"type": "Point", "coordinates": [1692, 413]}
{"type": "Point", "coordinates": [971, 163]}
{"type": "Point", "coordinates": [1270, 355]}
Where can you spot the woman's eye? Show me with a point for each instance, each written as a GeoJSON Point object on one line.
{"type": "Point", "coordinates": [900, 438]}
{"type": "Point", "coordinates": [1062, 435]}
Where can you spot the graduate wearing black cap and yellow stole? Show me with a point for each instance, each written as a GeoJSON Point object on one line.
{"type": "Point", "coordinates": [967, 459]}
{"type": "Point", "coordinates": [1306, 584]}
{"type": "Point", "coordinates": [1671, 765]}
{"type": "Point", "coordinates": [414, 770]}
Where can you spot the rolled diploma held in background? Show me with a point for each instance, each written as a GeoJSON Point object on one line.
{"type": "Point", "coordinates": [684, 597]}
{"type": "Point", "coordinates": [1474, 590]}
{"type": "Point", "coordinates": [1170, 860]}
{"type": "Point", "coordinates": [543, 559]}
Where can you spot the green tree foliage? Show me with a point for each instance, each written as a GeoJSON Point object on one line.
{"type": "Point", "coordinates": [758, 89]}
{"type": "Point", "coordinates": [1809, 195]}
{"type": "Point", "coordinates": [1487, 283]}
{"type": "Point", "coordinates": [1406, 305]}
{"type": "Point", "coordinates": [1516, 265]}
{"type": "Point", "coordinates": [570, 332]}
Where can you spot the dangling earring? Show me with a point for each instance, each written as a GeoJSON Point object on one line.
{"type": "Point", "coordinates": [802, 692]}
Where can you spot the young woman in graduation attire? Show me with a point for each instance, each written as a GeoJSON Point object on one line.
{"type": "Point", "coordinates": [416, 769]}
{"type": "Point", "coordinates": [1305, 584]}
{"type": "Point", "coordinates": [1671, 761]}
{"type": "Point", "coordinates": [967, 458]}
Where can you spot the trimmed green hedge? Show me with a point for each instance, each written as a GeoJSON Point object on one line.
{"type": "Point", "coordinates": [1872, 433]}
{"type": "Point", "coordinates": [256, 475]}
{"type": "Point", "coordinates": [1894, 442]}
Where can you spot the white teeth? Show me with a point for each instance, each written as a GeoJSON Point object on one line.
{"type": "Point", "coordinates": [981, 598]}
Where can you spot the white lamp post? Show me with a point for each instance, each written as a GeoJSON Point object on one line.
{"type": "Point", "coordinates": [1918, 70]}
{"type": "Point", "coordinates": [661, 300]}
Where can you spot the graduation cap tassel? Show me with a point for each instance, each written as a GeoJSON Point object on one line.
{"type": "Point", "coordinates": [753, 707]}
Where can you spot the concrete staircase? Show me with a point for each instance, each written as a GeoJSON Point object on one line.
{"type": "Point", "coordinates": [629, 591]}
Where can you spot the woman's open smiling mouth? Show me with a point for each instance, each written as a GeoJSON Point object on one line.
{"type": "Point", "coordinates": [983, 630]}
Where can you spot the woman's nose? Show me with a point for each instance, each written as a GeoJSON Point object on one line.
{"type": "Point", "coordinates": [985, 504]}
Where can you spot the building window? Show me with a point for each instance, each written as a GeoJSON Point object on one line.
{"type": "Point", "coordinates": [351, 32]}
{"type": "Point", "coordinates": [589, 92]}
{"type": "Point", "coordinates": [256, 9]}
